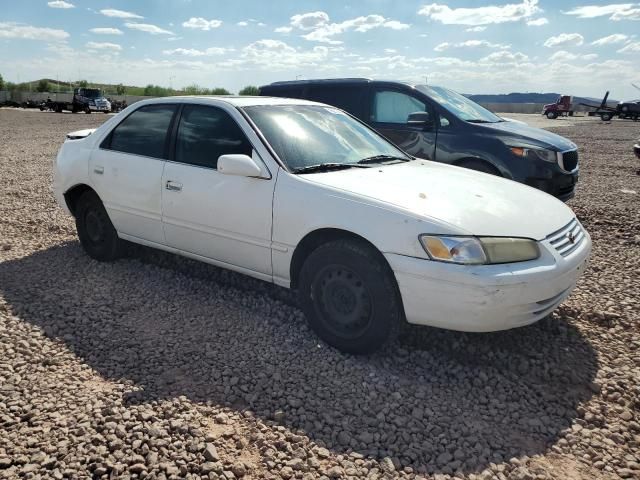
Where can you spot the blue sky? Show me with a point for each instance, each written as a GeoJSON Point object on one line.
{"type": "Point", "coordinates": [581, 47]}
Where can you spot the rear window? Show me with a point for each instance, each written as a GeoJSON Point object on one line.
{"type": "Point", "coordinates": [144, 132]}
{"type": "Point", "coordinates": [348, 98]}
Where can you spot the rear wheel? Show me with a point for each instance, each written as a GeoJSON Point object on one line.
{"type": "Point", "coordinates": [97, 234]}
{"type": "Point", "coordinates": [552, 115]}
{"type": "Point", "coordinates": [480, 166]}
{"type": "Point", "coordinates": [349, 296]}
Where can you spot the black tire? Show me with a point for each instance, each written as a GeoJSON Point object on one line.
{"type": "Point", "coordinates": [349, 296]}
{"type": "Point", "coordinates": [606, 117]}
{"type": "Point", "coordinates": [97, 235]}
{"type": "Point", "coordinates": [480, 166]}
{"type": "Point", "coordinates": [552, 115]}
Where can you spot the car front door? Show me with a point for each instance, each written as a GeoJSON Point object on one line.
{"type": "Point", "coordinates": [390, 110]}
{"type": "Point", "coordinates": [221, 217]}
{"type": "Point", "coordinates": [126, 171]}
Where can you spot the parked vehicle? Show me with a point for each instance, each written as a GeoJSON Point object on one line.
{"type": "Point", "coordinates": [636, 149]}
{"type": "Point", "coordinates": [308, 197]}
{"type": "Point", "coordinates": [630, 109]}
{"type": "Point", "coordinates": [439, 124]}
{"type": "Point", "coordinates": [85, 100]}
{"type": "Point", "coordinates": [563, 106]}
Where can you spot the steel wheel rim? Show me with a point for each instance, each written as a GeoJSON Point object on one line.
{"type": "Point", "coordinates": [343, 301]}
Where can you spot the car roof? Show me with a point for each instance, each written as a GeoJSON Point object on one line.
{"type": "Point", "coordinates": [334, 81]}
{"type": "Point", "coordinates": [234, 100]}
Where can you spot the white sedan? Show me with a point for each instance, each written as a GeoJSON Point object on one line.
{"type": "Point", "coordinates": [305, 196]}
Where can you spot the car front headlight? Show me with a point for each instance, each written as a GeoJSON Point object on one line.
{"type": "Point", "coordinates": [535, 153]}
{"type": "Point", "coordinates": [479, 251]}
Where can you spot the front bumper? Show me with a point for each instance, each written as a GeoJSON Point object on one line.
{"type": "Point", "coordinates": [488, 297]}
{"type": "Point", "coordinates": [101, 108]}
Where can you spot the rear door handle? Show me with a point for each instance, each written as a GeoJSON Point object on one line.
{"type": "Point", "coordinates": [173, 186]}
{"type": "Point", "coordinates": [99, 170]}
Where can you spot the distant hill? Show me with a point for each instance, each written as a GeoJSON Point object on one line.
{"type": "Point", "coordinates": [531, 98]}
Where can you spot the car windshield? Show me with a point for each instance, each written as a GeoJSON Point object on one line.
{"type": "Point", "coordinates": [460, 105]}
{"type": "Point", "coordinates": [90, 93]}
{"type": "Point", "coordinates": [312, 135]}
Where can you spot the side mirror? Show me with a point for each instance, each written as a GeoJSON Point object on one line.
{"type": "Point", "coordinates": [420, 119]}
{"type": "Point", "coordinates": [238, 164]}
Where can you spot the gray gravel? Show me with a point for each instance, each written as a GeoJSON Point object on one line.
{"type": "Point", "coordinates": [159, 367]}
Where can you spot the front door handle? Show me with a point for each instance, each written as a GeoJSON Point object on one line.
{"type": "Point", "coordinates": [173, 186]}
{"type": "Point", "coordinates": [98, 169]}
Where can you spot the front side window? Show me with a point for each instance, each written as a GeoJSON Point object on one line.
{"type": "Point", "coordinates": [305, 135]}
{"type": "Point", "coordinates": [144, 132]}
{"type": "Point", "coordinates": [205, 133]}
{"type": "Point", "coordinates": [395, 107]}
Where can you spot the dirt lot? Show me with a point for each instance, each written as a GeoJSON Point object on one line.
{"type": "Point", "coordinates": [159, 367]}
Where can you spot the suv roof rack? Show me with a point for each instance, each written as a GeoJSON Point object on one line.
{"type": "Point", "coordinates": [323, 80]}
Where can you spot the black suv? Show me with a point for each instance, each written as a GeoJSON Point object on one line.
{"type": "Point", "coordinates": [439, 124]}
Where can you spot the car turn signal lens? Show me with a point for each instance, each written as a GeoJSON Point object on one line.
{"type": "Point", "coordinates": [519, 151]}
{"type": "Point", "coordinates": [465, 250]}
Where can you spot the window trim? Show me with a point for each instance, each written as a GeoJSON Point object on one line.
{"type": "Point", "coordinates": [410, 93]}
{"type": "Point", "coordinates": [105, 144]}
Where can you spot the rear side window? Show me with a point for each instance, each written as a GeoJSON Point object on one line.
{"type": "Point", "coordinates": [395, 107]}
{"type": "Point", "coordinates": [348, 98]}
{"type": "Point", "coordinates": [205, 133]}
{"type": "Point", "coordinates": [144, 132]}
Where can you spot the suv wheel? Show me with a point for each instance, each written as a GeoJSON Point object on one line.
{"type": "Point", "coordinates": [97, 234]}
{"type": "Point", "coordinates": [349, 296]}
{"type": "Point", "coordinates": [480, 166]}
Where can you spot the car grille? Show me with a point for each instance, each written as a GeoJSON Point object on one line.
{"type": "Point", "coordinates": [569, 161]}
{"type": "Point", "coordinates": [568, 238]}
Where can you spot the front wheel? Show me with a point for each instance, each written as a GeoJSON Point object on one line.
{"type": "Point", "coordinates": [97, 234]}
{"type": "Point", "coordinates": [552, 115]}
{"type": "Point", "coordinates": [606, 117]}
{"type": "Point", "coordinates": [349, 296]}
{"type": "Point", "coordinates": [480, 166]}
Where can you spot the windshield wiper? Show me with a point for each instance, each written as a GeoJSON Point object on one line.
{"type": "Point", "coordinates": [382, 158]}
{"type": "Point", "coordinates": [326, 167]}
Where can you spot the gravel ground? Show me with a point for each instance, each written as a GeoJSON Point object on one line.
{"type": "Point", "coordinates": [159, 367]}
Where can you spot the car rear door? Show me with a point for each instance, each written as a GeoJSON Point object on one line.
{"type": "Point", "coordinates": [126, 171]}
{"type": "Point", "coordinates": [350, 98]}
{"type": "Point", "coordinates": [207, 213]}
{"type": "Point", "coordinates": [390, 109]}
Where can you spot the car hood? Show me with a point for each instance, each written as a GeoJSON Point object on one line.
{"type": "Point", "coordinates": [530, 135]}
{"type": "Point", "coordinates": [473, 203]}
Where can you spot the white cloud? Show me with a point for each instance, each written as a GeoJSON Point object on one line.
{"type": "Point", "coordinates": [310, 21]}
{"type": "Point", "coordinates": [242, 24]}
{"type": "Point", "coordinates": [61, 4]}
{"type": "Point", "coordinates": [505, 57]}
{"type": "Point", "coordinates": [112, 12]}
{"type": "Point", "coordinates": [590, 56]}
{"type": "Point", "coordinates": [106, 31]}
{"type": "Point", "coordinates": [320, 30]}
{"type": "Point", "coordinates": [173, 39]}
{"type": "Point", "coordinates": [486, 15]}
{"type": "Point", "coordinates": [104, 46]}
{"type": "Point", "coordinates": [615, 11]}
{"type": "Point", "coordinates": [148, 28]}
{"type": "Point", "coordinates": [470, 44]}
{"type": "Point", "coordinates": [192, 52]}
{"type": "Point", "coordinates": [564, 40]}
{"type": "Point", "coordinates": [29, 32]}
{"type": "Point", "coordinates": [200, 23]}
{"type": "Point", "coordinates": [283, 29]}
{"type": "Point", "coordinates": [611, 39]}
{"type": "Point", "coordinates": [476, 29]}
{"type": "Point", "coordinates": [275, 54]}
{"type": "Point", "coordinates": [538, 22]}
{"type": "Point", "coordinates": [564, 56]}
{"type": "Point", "coordinates": [633, 47]}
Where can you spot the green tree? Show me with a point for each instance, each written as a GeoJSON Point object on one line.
{"type": "Point", "coordinates": [219, 91]}
{"type": "Point", "coordinates": [43, 86]}
{"type": "Point", "coordinates": [249, 90]}
{"type": "Point", "coordinates": [83, 84]}
{"type": "Point", "coordinates": [1, 83]}
{"type": "Point", "coordinates": [120, 89]}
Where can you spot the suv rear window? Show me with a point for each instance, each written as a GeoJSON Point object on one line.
{"type": "Point", "coordinates": [144, 132]}
{"type": "Point", "coordinates": [349, 98]}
